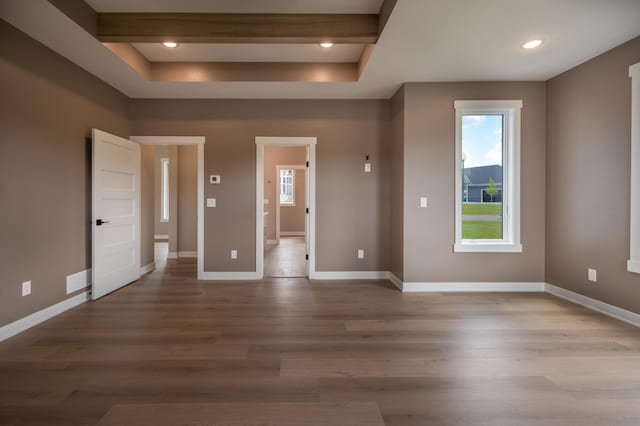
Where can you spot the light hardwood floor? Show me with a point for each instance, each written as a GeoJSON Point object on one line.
{"type": "Point", "coordinates": [286, 259]}
{"type": "Point", "coordinates": [169, 350]}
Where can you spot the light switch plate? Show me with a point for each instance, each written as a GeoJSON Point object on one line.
{"type": "Point", "coordinates": [26, 288]}
{"type": "Point", "coordinates": [211, 202]}
{"type": "Point", "coordinates": [360, 254]}
{"type": "Point", "coordinates": [423, 202]}
{"type": "Point", "coordinates": [592, 275]}
{"type": "Point", "coordinates": [234, 254]}
{"type": "Point", "coordinates": [367, 167]}
{"type": "Point", "coordinates": [214, 179]}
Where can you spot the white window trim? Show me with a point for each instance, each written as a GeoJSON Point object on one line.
{"type": "Point", "coordinates": [164, 190]}
{"type": "Point", "coordinates": [633, 264]}
{"type": "Point", "coordinates": [511, 110]}
{"type": "Point", "coordinates": [293, 184]}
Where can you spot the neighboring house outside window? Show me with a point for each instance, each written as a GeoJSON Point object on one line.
{"type": "Point", "coordinates": [487, 176]}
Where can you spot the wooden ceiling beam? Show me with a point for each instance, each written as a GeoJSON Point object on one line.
{"type": "Point", "coordinates": [237, 28]}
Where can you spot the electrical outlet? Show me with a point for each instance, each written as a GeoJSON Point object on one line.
{"type": "Point", "coordinates": [26, 288]}
{"type": "Point", "coordinates": [367, 167]}
{"type": "Point", "coordinates": [360, 254]}
{"type": "Point", "coordinates": [211, 202]}
{"type": "Point", "coordinates": [592, 275]}
{"type": "Point", "coordinates": [234, 254]}
{"type": "Point", "coordinates": [423, 202]}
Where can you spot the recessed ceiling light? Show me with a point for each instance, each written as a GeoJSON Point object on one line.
{"type": "Point", "coordinates": [532, 44]}
{"type": "Point", "coordinates": [170, 44]}
{"type": "Point", "coordinates": [326, 44]}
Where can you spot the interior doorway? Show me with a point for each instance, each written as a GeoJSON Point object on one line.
{"type": "Point", "coordinates": [178, 197]}
{"type": "Point", "coordinates": [175, 202]}
{"type": "Point", "coordinates": [285, 207]}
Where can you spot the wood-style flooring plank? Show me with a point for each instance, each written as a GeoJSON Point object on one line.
{"type": "Point", "coordinates": [238, 414]}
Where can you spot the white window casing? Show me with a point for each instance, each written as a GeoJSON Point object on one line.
{"type": "Point", "coordinates": [510, 111]}
{"type": "Point", "coordinates": [633, 264]}
{"type": "Point", "coordinates": [164, 190]}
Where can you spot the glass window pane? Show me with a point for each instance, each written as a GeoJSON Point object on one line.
{"type": "Point", "coordinates": [482, 177]}
{"type": "Point", "coordinates": [286, 186]}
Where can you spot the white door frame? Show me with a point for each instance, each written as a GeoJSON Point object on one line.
{"type": "Point", "coordinates": [278, 205]}
{"type": "Point", "coordinates": [310, 143]}
{"type": "Point", "coordinates": [187, 140]}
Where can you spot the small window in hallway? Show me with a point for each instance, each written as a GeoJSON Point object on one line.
{"type": "Point", "coordinates": [287, 187]}
{"type": "Point", "coordinates": [164, 192]}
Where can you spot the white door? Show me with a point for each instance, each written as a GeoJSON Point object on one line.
{"type": "Point", "coordinates": [115, 213]}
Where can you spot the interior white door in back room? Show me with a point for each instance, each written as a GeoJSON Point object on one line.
{"type": "Point", "coordinates": [115, 213]}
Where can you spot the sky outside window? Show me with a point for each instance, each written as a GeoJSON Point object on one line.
{"type": "Point", "coordinates": [482, 140]}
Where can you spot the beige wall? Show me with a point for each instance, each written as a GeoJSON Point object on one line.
{"type": "Point", "coordinates": [396, 218]}
{"type": "Point", "coordinates": [588, 178]}
{"type": "Point", "coordinates": [174, 214]}
{"type": "Point", "coordinates": [290, 217]}
{"type": "Point", "coordinates": [147, 195]}
{"type": "Point", "coordinates": [47, 109]}
{"type": "Point", "coordinates": [356, 216]}
{"type": "Point", "coordinates": [187, 198]}
{"type": "Point", "coordinates": [429, 149]}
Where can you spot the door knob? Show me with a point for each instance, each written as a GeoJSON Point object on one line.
{"type": "Point", "coordinates": [99, 222]}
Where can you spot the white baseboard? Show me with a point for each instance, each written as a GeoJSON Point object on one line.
{"type": "Point", "coordinates": [395, 280]}
{"type": "Point", "coordinates": [349, 275]}
{"type": "Point", "coordinates": [633, 266]}
{"type": "Point", "coordinates": [147, 268]}
{"type": "Point", "coordinates": [272, 242]}
{"type": "Point", "coordinates": [160, 237]}
{"type": "Point", "coordinates": [596, 305]}
{"type": "Point", "coordinates": [229, 276]}
{"type": "Point", "coordinates": [78, 281]}
{"type": "Point", "coordinates": [36, 318]}
{"type": "Point", "coordinates": [442, 287]}
{"type": "Point", "coordinates": [187, 254]}
{"type": "Point", "coordinates": [292, 233]}
{"type": "Point", "coordinates": [172, 255]}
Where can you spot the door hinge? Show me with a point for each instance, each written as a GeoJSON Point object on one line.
{"type": "Point", "coordinates": [306, 257]}
{"type": "Point", "coordinates": [307, 210]}
{"type": "Point", "coordinates": [307, 164]}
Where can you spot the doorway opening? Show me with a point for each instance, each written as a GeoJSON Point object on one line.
{"type": "Point", "coordinates": [285, 207]}
{"type": "Point", "coordinates": [285, 211]}
{"type": "Point", "coordinates": [175, 202]}
{"type": "Point", "coordinates": [178, 196]}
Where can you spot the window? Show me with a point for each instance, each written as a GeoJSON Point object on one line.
{"type": "Point", "coordinates": [487, 176]}
{"type": "Point", "coordinates": [164, 190]}
{"type": "Point", "coordinates": [287, 187]}
{"type": "Point", "coordinates": [633, 264]}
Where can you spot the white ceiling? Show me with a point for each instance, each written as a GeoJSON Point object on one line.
{"type": "Point", "coordinates": [237, 6]}
{"type": "Point", "coordinates": [424, 40]}
{"type": "Point", "coordinates": [197, 52]}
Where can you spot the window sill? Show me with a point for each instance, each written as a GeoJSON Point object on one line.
{"type": "Point", "coordinates": [487, 248]}
{"type": "Point", "coordinates": [633, 266]}
{"type": "Point", "coordinates": [288, 205]}
{"type": "Point", "coordinates": [164, 220]}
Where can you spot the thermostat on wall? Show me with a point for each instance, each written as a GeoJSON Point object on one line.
{"type": "Point", "coordinates": [215, 179]}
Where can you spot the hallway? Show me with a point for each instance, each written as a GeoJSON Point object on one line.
{"type": "Point", "coordinates": [287, 259]}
